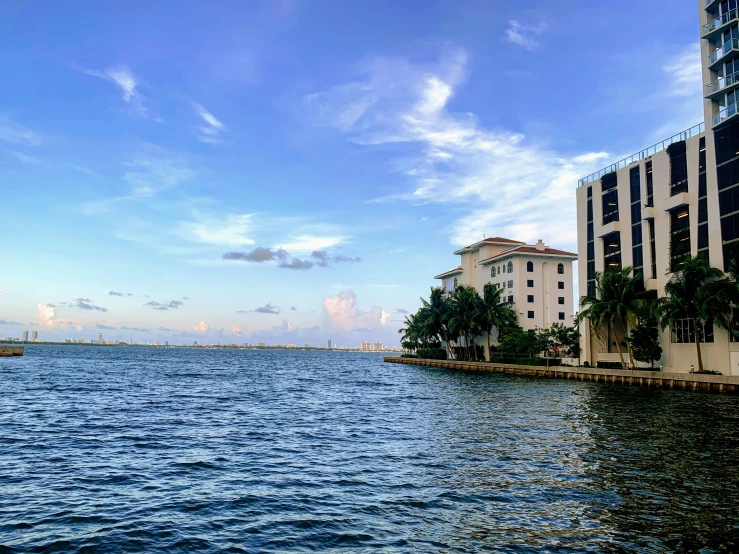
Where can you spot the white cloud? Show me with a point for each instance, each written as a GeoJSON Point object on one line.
{"type": "Point", "coordinates": [685, 72]}
{"type": "Point", "coordinates": [126, 81]}
{"type": "Point", "coordinates": [201, 327]}
{"type": "Point", "coordinates": [15, 133]}
{"type": "Point", "coordinates": [512, 185]}
{"type": "Point", "coordinates": [47, 315]}
{"type": "Point", "coordinates": [523, 35]}
{"type": "Point", "coordinates": [226, 230]}
{"type": "Point", "coordinates": [210, 132]}
{"type": "Point", "coordinates": [342, 314]}
{"type": "Point", "coordinates": [308, 243]}
{"type": "Point", "coordinates": [236, 330]}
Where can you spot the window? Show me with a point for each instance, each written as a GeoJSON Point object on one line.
{"type": "Point", "coordinates": [610, 206]}
{"type": "Point", "coordinates": [503, 285]}
{"type": "Point", "coordinates": [531, 315]}
{"type": "Point", "coordinates": [498, 269]}
{"type": "Point", "coordinates": [530, 283]}
{"type": "Point", "coordinates": [652, 248]}
{"type": "Point", "coordinates": [561, 316]}
{"type": "Point", "coordinates": [561, 269]}
{"type": "Point", "coordinates": [637, 255]}
{"type": "Point", "coordinates": [650, 184]}
{"type": "Point", "coordinates": [561, 285]}
{"type": "Point", "coordinates": [510, 299]}
{"type": "Point", "coordinates": [561, 300]}
{"type": "Point", "coordinates": [455, 282]}
{"type": "Point", "coordinates": [492, 272]}
{"type": "Point", "coordinates": [530, 267]}
{"type": "Point", "coordinates": [530, 298]}
{"type": "Point", "coordinates": [683, 331]}
{"type": "Point", "coordinates": [503, 268]}
{"type": "Point", "coordinates": [590, 247]}
{"type": "Point", "coordinates": [679, 237]}
{"type": "Point", "coordinates": [510, 284]}
{"type": "Point", "coordinates": [678, 168]}
{"type": "Point", "coordinates": [612, 251]}
{"type": "Point", "coordinates": [510, 267]}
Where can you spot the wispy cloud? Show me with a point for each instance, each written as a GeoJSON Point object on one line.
{"type": "Point", "coordinates": [126, 81]}
{"type": "Point", "coordinates": [211, 129]}
{"type": "Point", "coordinates": [155, 171]}
{"type": "Point", "coordinates": [15, 133]}
{"type": "Point", "coordinates": [82, 304]}
{"type": "Point", "coordinates": [509, 182]}
{"type": "Point", "coordinates": [309, 243]}
{"type": "Point", "coordinates": [137, 329]}
{"type": "Point", "coordinates": [319, 258]}
{"type": "Point", "coordinates": [266, 309]}
{"type": "Point", "coordinates": [103, 326]}
{"type": "Point", "coordinates": [164, 306]}
{"type": "Point", "coordinates": [114, 293]}
{"type": "Point", "coordinates": [23, 158]}
{"type": "Point", "coordinates": [6, 322]}
{"type": "Point", "coordinates": [223, 230]}
{"type": "Point", "coordinates": [525, 36]}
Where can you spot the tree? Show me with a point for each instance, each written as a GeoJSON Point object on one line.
{"type": "Point", "coordinates": [435, 311]}
{"type": "Point", "coordinates": [644, 340]}
{"type": "Point", "coordinates": [565, 338]}
{"type": "Point", "coordinates": [463, 317]}
{"type": "Point", "coordinates": [494, 312]}
{"type": "Point", "coordinates": [702, 295]}
{"type": "Point", "coordinates": [617, 299]}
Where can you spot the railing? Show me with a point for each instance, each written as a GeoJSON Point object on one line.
{"type": "Point", "coordinates": [722, 83]}
{"type": "Point", "coordinates": [720, 21]}
{"type": "Point", "coordinates": [724, 114]}
{"type": "Point", "coordinates": [651, 151]}
{"type": "Point", "coordinates": [680, 186]}
{"type": "Point", "coordinates": [709, 2]}
{"type": "Point", "coordinates": [722, 50]}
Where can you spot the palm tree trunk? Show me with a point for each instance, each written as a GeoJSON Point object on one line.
{"type": "Point", "coordinates": [618, 344]}
{"type": "Point", "coordinates": [490, 354]}
{"type": "Point", "coordinates": [628, 345]}
{"type": "Point", "coordinates": [698, 344]}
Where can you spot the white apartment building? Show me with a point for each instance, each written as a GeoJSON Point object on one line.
{"type": "Point", "coordinates": [536, 279]}
{"type": "Point", "coordinates": [676, 198]}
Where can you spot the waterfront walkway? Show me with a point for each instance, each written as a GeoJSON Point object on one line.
{"type": "Point", "coordinates": [686, 381]}
{"type": "Point", "coordinates": [7, 351]}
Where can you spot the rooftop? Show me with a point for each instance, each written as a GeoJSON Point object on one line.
{"type": "Point", "coordinates": [695, 130]}
{"type": "Point", "coordinates": [526, 249]}
{"type": "Point", "coordinates": [450, 272]}
{"type": "Point", "coordinates": [491, 240]}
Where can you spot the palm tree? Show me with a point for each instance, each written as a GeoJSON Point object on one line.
{"type": "Point", "coordinates": [495, 312]}
{"type": "Point", "coordinates": [701, 294]}
{"type": "Point", "coordinates": [435, 312]}
{"type": "Point", "coordinates": [463, 319]}
{"type": "Point", "coordinates": [617, 300]}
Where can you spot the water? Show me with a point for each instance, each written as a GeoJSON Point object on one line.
{"type": "Point", "coordinates": [145, 450]}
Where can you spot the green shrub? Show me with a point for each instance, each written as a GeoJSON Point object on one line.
{"type": "Point", "coordinates": [527, 361]}
{"type": "Point", "coordinates": [609, 365]}
{"type": "Point", "coordinates": [408, 356]}
{"type": "Point", "coordinates": [431, 353]}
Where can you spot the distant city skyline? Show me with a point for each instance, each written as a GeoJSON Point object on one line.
{"type": "Point", "coordinates": [292, 171]}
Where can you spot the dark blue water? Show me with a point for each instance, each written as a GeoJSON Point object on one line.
{"type": "Point", "coordinates": [145, 450]}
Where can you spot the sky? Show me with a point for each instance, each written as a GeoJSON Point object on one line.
{"type": "Point", "coordinates": [291, 171]}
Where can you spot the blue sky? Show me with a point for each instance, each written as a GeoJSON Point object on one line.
{"type": "Point", "coordinates": [298, 170]}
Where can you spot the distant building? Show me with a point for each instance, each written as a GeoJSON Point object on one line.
{"type": "Point", "coordinates": [166, 343]}
{"type": "Point", "coordinates": [34, 336]}
{"type": "Point", "coordinates": [261, 345]}
{"type": "Point", "coordinates": [25, 336]}
{"type": "Point", "coordinates": [329, 344]}
{"type": "Point", "coordinates": [100, 336]}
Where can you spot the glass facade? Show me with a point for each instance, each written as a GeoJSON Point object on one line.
{"type": "Point", "coordinates": [702, 201]}
{"type": "Point", "coordinates": [678, 168]}
{"type": "Point", "coordinates": [612, 251]}
{"type": "Point", "coordinates": [679, 237]}
{"type": "Point", "coordinates": [636, 225]}
{"type": "Point", "coordinates": [591, 246]}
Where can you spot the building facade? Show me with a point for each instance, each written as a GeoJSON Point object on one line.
{"type": "Point", "coordinates": [535, 279]}
{"type": "Point", "coordinates": [675, 199]}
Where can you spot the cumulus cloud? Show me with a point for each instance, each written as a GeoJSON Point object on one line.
{"type": "Point", "coordinates": [106, 327]}
{"type": "Point", "coordinates": [201, 327]}
{"type": "Point", "coordinates": [341, 313]}
{"type": "Point", "coordinates": [268, 309]}
{"type": "Point", "coordinates": [505, 180]}
{"type": "Point", "coordinates": [163, 306]}
{"type": "Point", "coordinates": [47, 315]}
{"type": "Point", "coordinates": [236, 330]}
{"type": "Point", "coordinates": [211, 129]}
{"type": "Point", "coordinates": [114, 293]}
{"type": "Point", "coordinates": [296, 264]}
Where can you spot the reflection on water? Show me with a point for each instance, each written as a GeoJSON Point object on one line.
{"type": "Point", "coordinates": [126, 449]}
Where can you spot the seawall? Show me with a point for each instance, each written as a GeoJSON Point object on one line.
{"type": "Point", "coordinates": [686, 381]}
{"type": "Point", "coordinates": [6, 351]}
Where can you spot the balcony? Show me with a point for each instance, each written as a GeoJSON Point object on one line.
{"type": "Point", "coordinates": [714, 27]}
{"type": "Point", "coordinates": [722, 85]}
{"type": "Point", "coordinates": [724, 115]}
{"type": "Point", "coordinates": [731, 45]}
{"type": "Point", "coordinates": [711, 4]}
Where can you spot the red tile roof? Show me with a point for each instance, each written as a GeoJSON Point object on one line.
{"type": "Point", "coordinates": [532, 250]}
{"type": "Point", "coordinates": [450, 272]}
{"type": "Point", "coordinates": [491, 240]}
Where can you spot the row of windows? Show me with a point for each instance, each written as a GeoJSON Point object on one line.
{"type": "Point", "coordinates": [530, 299]}
{"type": "Point", "coordinates": [494, 270]}
{"type": "Point", "coordinates": [683, 332]}
{"type": "Point", "coordinates": [561, 315]}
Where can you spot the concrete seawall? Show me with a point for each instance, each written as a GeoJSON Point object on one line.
{"type": "Point", "coordinates": [656, 379]}
{"type": "Point", "coordinates": [7, 351]}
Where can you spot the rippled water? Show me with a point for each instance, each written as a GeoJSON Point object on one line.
{"type": "Point", "coordinates": [144, 450]}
